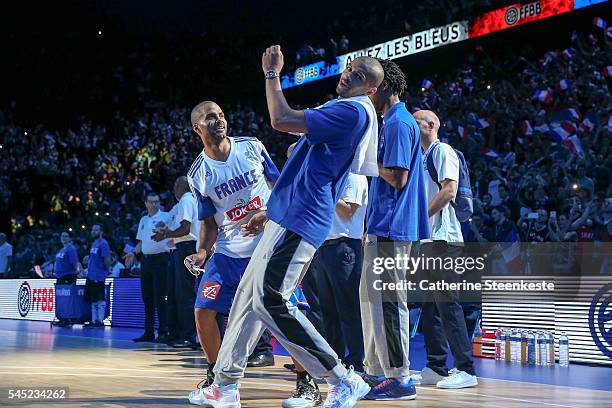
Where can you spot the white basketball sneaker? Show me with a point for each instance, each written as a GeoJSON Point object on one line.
{"type": "Point", "coordinates": [351, 389]}
{"type": "Point", "coordinates": [458, 379]}
{"type": "Point", "coordinates": [427, 376]}
{"type": "Point", "coordinates": [216, 396]}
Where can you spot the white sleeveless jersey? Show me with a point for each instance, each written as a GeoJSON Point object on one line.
{"type": "Point", "coordinates": [232, 190]}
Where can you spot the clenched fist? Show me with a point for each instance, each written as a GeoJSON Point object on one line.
{"type": "Point", "coordinates": [272, 59]}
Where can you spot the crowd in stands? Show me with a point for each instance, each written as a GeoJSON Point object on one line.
{"type": "Point", "coordinates": [535, 130]}
{"type": "Point", "coordinates": [382, 21]}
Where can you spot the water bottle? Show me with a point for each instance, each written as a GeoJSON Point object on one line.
{"type": "Point", "coordinates": [551, 349]}
{"type": "Point", "coordinates": [516, 347]}
{"type": "Point", "coordinates": [498, 344]}
{"type": "Point", "coordinates": [563, 350]}
{"type": "Point", "coordinates": [508, 352]}
{"type": "Point", "coordinates": [502, 345]}
{"type": "Point", "coordinates": [524, 347]}
{"type": "Point", "coordinates": [531, 348]}
{"type": "Point", "coordinates": [540, 347]}
{"type": "Point", "coordinates": [545, 353]}
{"type": "Point", "coordinates": [546, 348]}
{"type": "Point", "coordinates": [477, 341]}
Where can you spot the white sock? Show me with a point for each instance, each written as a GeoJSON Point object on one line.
{"type": "Point", "coordinates": [101, 310]}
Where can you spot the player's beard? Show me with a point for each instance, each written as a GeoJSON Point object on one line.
{"type": "Point", "coordinates": [219, 136]}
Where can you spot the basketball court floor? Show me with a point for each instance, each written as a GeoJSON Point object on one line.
{"type": "Point", "coordinates": [104, 368]}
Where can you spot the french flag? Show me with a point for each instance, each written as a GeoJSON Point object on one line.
{"type": "Point", "coordinates": [600, 22]}
{"type": "Point", "coordinates": [549, 56]}
{"type": "Point", "coordinates": [525, 127]}
{"type": "Point", "coordinates": [489, 152]}
{"type": "Point", "coordinates": [543, 128]}
{"type": "Point", "coordinates": [469, 83]}
{"type": "Point", "coordinates": [511, 252]}
{"type": "Point", "coordinates": [586, 125]}
{"type": "Point", "coordinates": [451, 124]}
{"type": "Point", "coordinates": [483, 123]}
{"type": "Point", "coordinates": [543, 96]}
{"type": "Point", "coordinates": [426, 84]}
{"type": "Point", "coordinates": [607, 71]}
{"type": "Point", "coordinates": [573, 144]}
{"type": "Point", "coordinates": [463, 132]}
{"type": "Point", "coordinates": [564, 84]}
{"type": "Point", "coordinates": [561, 131]}
{"type": "Point", "coordinates": [568, 53]}
{"type": "Point", "coordinates": [573, 113]}
{"type": "Point", "coordinates": [568, 126]}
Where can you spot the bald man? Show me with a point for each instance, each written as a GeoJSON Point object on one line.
{"type": "Point", "coordinates": [442, 316]}
{"type": "Point", "coordinates": [396, 217]}
{"type": "Point", "coordinates": [184, 232]}
{"type": "Point", "coordinates": [300, 212]}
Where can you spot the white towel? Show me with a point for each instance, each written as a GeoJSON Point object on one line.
{"type": "Point", "coordinates": [365, 161]}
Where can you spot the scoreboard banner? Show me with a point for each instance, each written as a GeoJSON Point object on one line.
{"type": "Point", "coordinates": [397, 48]}
{"type": "Point", "coordinates": [411, 44]}
{"type": "Point", "coordinates": [487, 23]}
{"type": "Point", "coordinates": [27, 299]}
{"type": "Point", "coordinates": [518, 14]}
{"type": "Point", "coordinates": [35, 299]}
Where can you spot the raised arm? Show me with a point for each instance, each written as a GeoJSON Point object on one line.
{"type": "Point", "coordinates": [282, 116]}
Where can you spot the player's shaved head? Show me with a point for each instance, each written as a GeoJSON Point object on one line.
{"type": "Point", "coordinates": [181, 186]}
{"type": "Point", "coordinates": [374, 71]}
{"type": "Point", "coordinates": [208, 120]}
{"type": "Point", "coordinates": [428, 123]}
{"type": "Point", "coordinates": [199, 112]}
{"type": "Point", "coordinates": [362, 76]}
{"type": "Point", "coordinates": [428, 117]}
{"type": "Point", "coordinates": [182, 182]}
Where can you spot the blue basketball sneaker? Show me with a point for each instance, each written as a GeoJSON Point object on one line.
{"type": "Point", "coordinates": [372, 380]}
{"type": "Point", "coordinates": [393, 389]}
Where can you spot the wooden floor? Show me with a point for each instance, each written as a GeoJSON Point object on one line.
{"type": "Point", "coordinates": [116, 373]}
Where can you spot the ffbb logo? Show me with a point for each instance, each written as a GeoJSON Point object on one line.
{"type": "Point", "coordinates": [302, 74]}
{"type": "Point", "coordinates": [515, 14]}
{"type": "Point", "coordinates": [34, 299]}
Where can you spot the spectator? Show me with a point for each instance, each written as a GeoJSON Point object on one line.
{"type": "Point", "coordinates": [6, 257]}
{"type": "Point", "coordinates": [344, 44]}
{"type": "Point", "coordinates": [503, 230]}
{"type": "Point", "coordinates": [116, 267]}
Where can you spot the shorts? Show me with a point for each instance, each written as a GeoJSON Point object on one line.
{"type": "Point", "coordinates": [220, 281]}
{"type": "Point", "coordinates": [67, 280]}
{"type": "Point", "coordinates": [94, 291]}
